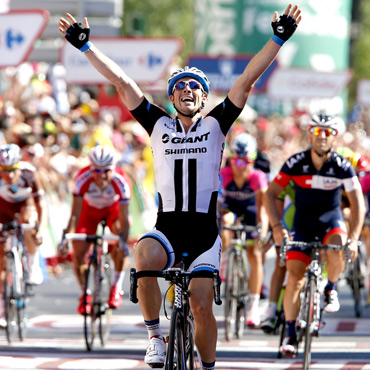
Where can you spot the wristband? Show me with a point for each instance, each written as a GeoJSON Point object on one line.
{"type": "Point", "coordinates": [278, 224]}
{"type": "Point", "coordinates": [86, 47]}
{"type": "Point", "coordinates": [278, 40]}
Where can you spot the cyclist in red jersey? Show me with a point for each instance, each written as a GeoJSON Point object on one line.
{"type": "Point", "coordinates": [187, 152]}
{"type": "Point", "coordinates": [318, 175]}
{"type": "Point", "coordinates": [20, 195]}
{"type": "Point", "coordinates": [101, 191]}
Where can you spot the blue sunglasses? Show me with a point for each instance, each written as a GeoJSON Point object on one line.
{"type": "Point", "coordinates": [194, 85]}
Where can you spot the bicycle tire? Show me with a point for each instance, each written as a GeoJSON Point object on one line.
{"type": "Point", "coordinates": [356, 288]}
{"type": "Point", "coordinates": [175, 358]}
{"type": "Point", "coordinates": [104, 290]}
{"type": "Point", "coordinates": [282, 334]}
{"type": "Point", "coordinates": [189, 343]}
{"type": "Point", "coordinates": [22, 302]}
{"type": "Point", "coordinates": [91, 318]}
{"type": "Point", "coordinates": [309, 316]}
{"type": "Point", "coordinates": [242, 295]}
{"type": "Point", "coordinates": [231, 292]}
{"type": "Point", "coordinates": [9, 297]}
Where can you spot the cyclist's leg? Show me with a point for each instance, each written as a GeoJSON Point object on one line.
{"type": "Point", "coordinates": [117, 221]}
{"type": "Point", "coordinates": [276, 284]}
{"type": "Point", "coordinates": [28, 215]}
{"type": "Point", "coordinates": [334, 267]}
{"type": "Point", "coordinates": [201, 302]}
{"type": "Point", "coordinates": [150, 254]}
{"type": "Point", "coordinates": [254, 254]}
{"type": "Point", "coordinates": [296, 264]}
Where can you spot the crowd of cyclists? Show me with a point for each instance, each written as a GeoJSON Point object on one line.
{"type": "Point", "coordinates": [305, 176]}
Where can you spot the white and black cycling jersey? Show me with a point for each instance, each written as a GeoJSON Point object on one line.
{"type": "Point", "coordinates": [187, 164]}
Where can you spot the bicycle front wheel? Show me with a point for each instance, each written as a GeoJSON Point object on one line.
{"type": "Point", "coordinates": [91, 315]}
{"type": "Point", "coordinates": [309, 318]}
{"type": "Point", "coordinates": [235, 295]}
{"type": "Point", "coordinates": [22, 301]}
{"type": "Point", "coordinates": [105, 311]}
{"type": "Point", "coordinates": [357, 286]}
{"type": "Point", "coordinates": [175, 358]}
{"type": "Point", "coordinates": [189, 343]}
{"type": "Point", "coordinates": [9, 297]}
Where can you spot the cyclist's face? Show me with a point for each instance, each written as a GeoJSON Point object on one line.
{"type": "Point", "coordinates": [11, 177]}
{"type": "Point", "coordinates": [188, 95]}
{"type": "Point", "coordinates": [102, 176]}
{"type": "Point", "coordinates": [321, 141]}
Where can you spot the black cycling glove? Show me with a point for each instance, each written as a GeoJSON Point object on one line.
{"type": "Point", "coordinates": [284, 28]}
{"type": "Point", "coordinates": [79, 36]}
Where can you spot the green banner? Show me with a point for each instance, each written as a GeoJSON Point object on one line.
{"type": "Point", "coordinates": [229, 27]}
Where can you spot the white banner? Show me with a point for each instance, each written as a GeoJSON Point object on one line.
{"type": "Point", "coordinates": [145, 60]}
{"type": "Point", "coordinates": [296, 83]}
{"type": "Point", "coordinates": [363, 92]}
{"type": "Point", "coordinates": [19, 29]}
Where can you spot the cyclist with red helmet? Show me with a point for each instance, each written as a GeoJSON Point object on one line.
{"type": "Point", "coordinates": [101, 192]}
{"type": "Point", "coordinates": [187, 153]}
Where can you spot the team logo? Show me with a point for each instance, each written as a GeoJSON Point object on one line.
{"type": "Point", "coordinates": [280, 29]}
{"type": "Point", "coordinates": [165, 139]}
{"type": "Point", "coordinates": [82, 36]}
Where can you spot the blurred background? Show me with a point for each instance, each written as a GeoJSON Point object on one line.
{"type": "Point", "coordinates": [56, 106]}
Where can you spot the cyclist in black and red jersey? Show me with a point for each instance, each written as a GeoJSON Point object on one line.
{"type": "Point", "coordinates": [187, 153]}
{"type": "Point", "coordinates": [318, 175]}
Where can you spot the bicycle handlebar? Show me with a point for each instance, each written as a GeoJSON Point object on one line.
{"type": "Point", "coordinates": [175, 275]}
{"type": "Point", "coordinates": [314, 245]}
{"type": "Point", "coordinates": [13, 225]}
{"type": "Point", "coordinates": [91, 238]}
{"type": "Point", "coordinates": [247, 228]}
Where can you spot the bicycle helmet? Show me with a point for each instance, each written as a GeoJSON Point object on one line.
{"type": "Point", "coordinates": [102, 156]}
{"type": "Point", "coordinates": [10, 155]}
{"type": "Point", "coordinates": [329, 121]}
{"type": "Point", "coordinates": [244, 146]}
{"type": "Point", "coordinates": [188, 72]}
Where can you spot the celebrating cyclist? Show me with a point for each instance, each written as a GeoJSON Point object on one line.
{"type": "Point", "coordinates": [318, 174]}
{"type": "Point", "coordinates": [187, 153]}
{"type": "Point", "coordinates": [101, 192]}
{"type": "Point", "coordinates": [243, 188]}
{"type": "Point", "coordinates": [20, 196]}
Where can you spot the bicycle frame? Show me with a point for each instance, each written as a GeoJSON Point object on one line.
{"type": "Point", "coordinates": [98, 275]}
{"type": "Point", "coordinates": [16, 292]}
{"type": "Point", "coordinates": [309, 320]}
{"type": "Point", "coordinates": [236, 284]}
{"type": "Point", "coordinates": [181, 341]}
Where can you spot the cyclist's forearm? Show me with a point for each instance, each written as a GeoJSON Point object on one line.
{"type": "Point", "coordinates": [127, 88]}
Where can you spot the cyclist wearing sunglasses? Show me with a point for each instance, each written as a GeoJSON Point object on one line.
{"type": "Point", "coordinates": [20, 194]}
{"type": "Point", "coordinates": [187, 153]}
{"type": "Point", "coordinates": [102, 191]}
{"type": "Point", "coordinates": [318, 175]}
{"type": "Point", "coordinates": [243, 189]}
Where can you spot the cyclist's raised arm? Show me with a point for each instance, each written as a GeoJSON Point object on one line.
{"type": "Point", "coordinates": [284, 27]}
{"type": "Point", "coordinates": [78, 36]}
{"type": "Point", "coordinates": [356, 218]}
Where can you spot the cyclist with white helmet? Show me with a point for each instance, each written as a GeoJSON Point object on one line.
{"type": "Point", "coordinates": [20, 196]}
{"type": "Point", "coordinates": [187, 153]}
{"type": "Point", "coordinates": [318, 175]}
{"type": "Point", "coordinates": [242, 201]}
{"type": "Point", "coordinates": [102, 191]}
